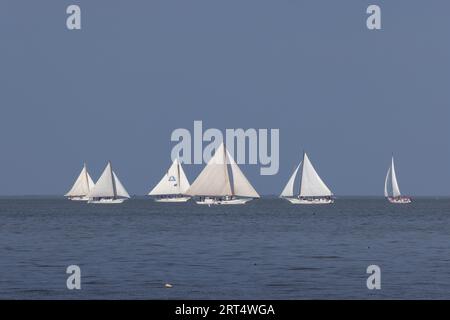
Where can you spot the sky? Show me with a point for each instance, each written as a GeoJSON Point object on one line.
{"type": "Point", "coordinates": [137, 70]}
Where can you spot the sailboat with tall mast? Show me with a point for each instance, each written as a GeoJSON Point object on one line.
{"type": "Point", "coordinates": [81, 187]}
{"type": "Point", "coordinates": [391, 188]}
{"type": "Point", "coordinates": [108, 189]}
{"type": "Point", "coordinates": [222, 182]}
{"type": "Point", "coordinates": [312, 188]}
{"type": "Point", "coordinates": [173, 185]}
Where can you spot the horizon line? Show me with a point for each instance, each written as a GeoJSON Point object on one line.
{"type": "Point", "coordinates": [262, 195]}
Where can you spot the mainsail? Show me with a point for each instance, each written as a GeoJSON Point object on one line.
{"type": "Point", "coordinates": [82, 185]}
{"type": "Point", "coordinates": [311, 185]}
{"type": "Point", "coordinates": [391, 182]}
{"type": "Point", "coordinates": [108, 186]}
{"type": "Point", "coordinates": [214, 180]}
{"type": "Point", "coordinates": [174, 181]}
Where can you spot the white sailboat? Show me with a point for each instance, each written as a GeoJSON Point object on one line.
{"type": "Point", "coordinates": [108, 188]}
{"type": "Point", "coordinates": [81, 187]}
{"type": "Point", "coordinates": [312, 189]}
{"type": "Point", "coordinates": [222, 182]}
{"type": "Point", "coordinates": [391, 189]}
{"type": "Point", "coordinates": [173, 186]}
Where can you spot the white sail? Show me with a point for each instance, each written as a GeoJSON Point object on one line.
{"type": "Point", "coordinates": [108, 186]}
{"type": "Point", "coordinates": [104, 186]}
{"type": "Point", "coordinates": [311, 183]}
{"type": "Point", "coordinates": [386, 181]}
{"type": "Point", "coordinates": [82, 185]}
{"type": "Point", "coordinates": [288, 190]}
{"type": "Point", "coordinates": [395, 188]}
{"type": "Point", "coordinates": [184, 182]}
{"type": "Point", "coordinates": [241, 186]}
{"type": "Point", "coordinates": [213, 180]}
{"type": "Point", "coordinates": [120, 189]}
{"type": "Point", "coordinates": [174, 181]}
{"type": "Point", "coordinates": [391, 183]}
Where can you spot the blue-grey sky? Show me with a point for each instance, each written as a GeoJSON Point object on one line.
{"type": "Point", "coordinates": [139, 69]}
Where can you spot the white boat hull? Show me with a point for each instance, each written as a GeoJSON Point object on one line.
{"type": "Point", "coordinates": [174, 199]}
{"type": "Point", "coordinates": [399, 200]}
{"type": "Point", "coordinates": [213, 201]}
{"type": "Point", "coordinates": [107, 201]}
{"type": "Point", "coordinates": [78, 198]}
{"type": "Point", "coordinates": [310, 201]}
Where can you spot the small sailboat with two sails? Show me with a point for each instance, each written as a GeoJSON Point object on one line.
{"type": "Point", "coordinates": [173, 185]}
{"type": "Point", "coordinates": [108, 189]}
{"type": "Point", "coordinates": [312, 188]}
{"type": "Point", "coordinates": [391, 188]}
{"type": "Point", "coordinates": [222, 182]}
{"type": "Point", "coordinates": [81, 187]}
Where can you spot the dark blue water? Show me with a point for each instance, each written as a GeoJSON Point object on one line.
{"type": "Point", "coordinates": [267, 249]}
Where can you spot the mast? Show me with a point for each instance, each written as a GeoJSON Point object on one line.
{"type": "Point", "coordinates": [113, 180]}
{"type": "Point", "coordinates": [301, 175]}
{"type": "Point", "coordinates": [395, 188]}
{"type": "Point", "coordinates": [225, 166]}
{"type": "Point", "coordinates": [86, 177]}
{"type": "Point", "coordinates": [178, 176]}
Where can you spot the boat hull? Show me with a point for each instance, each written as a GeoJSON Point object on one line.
{"type": "Point", "coordinates": [107, 201]}
{"type": "Point", "coordinates": [174, 199]}
{"type": "Point", "coordinates": [212, 201]}
{"type": "Point", "coordinates": [399, 200]}
{"type": "Point", "coordinates": [310, 201]}
{"type": "Point", "coordinates": [78, 198]}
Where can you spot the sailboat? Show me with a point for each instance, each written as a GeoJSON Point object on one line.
{"type": "Point", "coordinates": [391, 189]}
{"type": "Point", "coordinates": [222, 182]}
{"type": "Point", "coordinates": [312, 189]}
{"type": "Point", "coordinates": [173, 186]}
{"type": "Point", "coordinates": [108, 188]}
{"type": "Point", "coordinates": [81, 187]}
